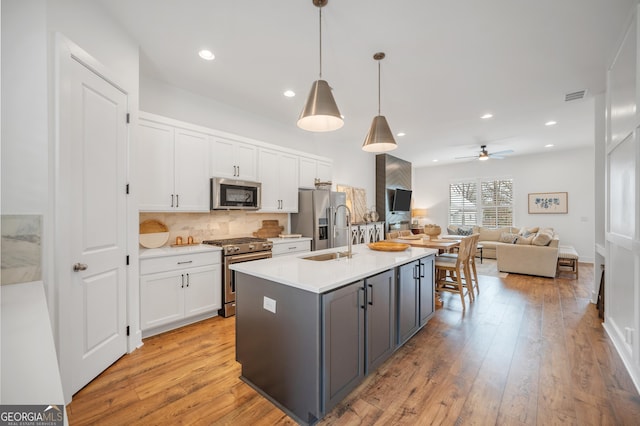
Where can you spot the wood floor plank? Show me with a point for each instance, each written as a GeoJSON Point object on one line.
{"type": "Point", "coordinates": [527, 351]}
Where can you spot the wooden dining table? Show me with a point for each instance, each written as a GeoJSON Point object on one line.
{"type": "Point", "coordinates": [441, 245]}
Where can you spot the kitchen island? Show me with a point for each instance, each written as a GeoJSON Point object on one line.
{"type": "Point", "coordinates": [309, 331]}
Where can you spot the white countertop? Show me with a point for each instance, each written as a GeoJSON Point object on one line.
{"type": "Point", "coordinates": [323, 276]}
{"type": "Point", "coordinates": [288, 240]}
{"type": "Point", "coordinates": [29, 365]}
{"type": "Point", "coordinates": [172, 251]}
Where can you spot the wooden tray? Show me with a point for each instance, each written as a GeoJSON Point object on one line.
{"type": "Point", "coordinates": [270, 229]}
{"type": "Point", "coordinates": [152, 226]}
{"type": "Point", "coordinates": [388, 246]}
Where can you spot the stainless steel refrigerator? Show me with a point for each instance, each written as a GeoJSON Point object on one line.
{"type": "Point", "coordinates": [315, 218]}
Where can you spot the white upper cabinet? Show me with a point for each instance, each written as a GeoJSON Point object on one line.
{"type": "Point", "coordinates": [173, 168]}
{"type": "Point", "coordinates": [191, 171]}
{"type": "Point", "coordinates": [278, 172]}
{"type": "Point", "coordinates": [233, 159]}
{"type": "Point", "coordinates": [312, 169]}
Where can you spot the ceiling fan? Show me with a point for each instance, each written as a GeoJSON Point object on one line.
{"type": "Point", "coordinates": [485, 155]}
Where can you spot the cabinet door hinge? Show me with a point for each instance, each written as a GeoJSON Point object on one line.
{"type": "Point", "coordinates": [128, 118]}
{"type": "Point", "coordinates": [127, 189]}
{"type": "Point", "coordinates": [127, 259]}
{"type": "Point", "coordinates": [127, 330]}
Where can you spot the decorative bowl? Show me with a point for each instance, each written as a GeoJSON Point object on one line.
{"type": "Point", "coordinates": [432, 230]}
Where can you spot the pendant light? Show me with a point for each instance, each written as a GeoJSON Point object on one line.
{"type": "Point", "coordinates": [320, 113]}
{"type": "Point", "coordinates": [379, 138]}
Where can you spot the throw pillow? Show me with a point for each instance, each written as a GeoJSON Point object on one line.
{"type": "Point", "coordinates": [452, 230]}
{"type": "Point", "coordinates": [507, 237]}
{"type": "Point", "coordinates": [542, 239]}
{"type": "Point", "coordinates": [525, 232]}
{"type": "Point", "coordinates": [465, 231]}
{"type": "Point", "coordinates": [525, 240]}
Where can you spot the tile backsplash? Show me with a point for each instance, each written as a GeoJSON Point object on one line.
{"type": "Point", "coordinates": [215, 224]}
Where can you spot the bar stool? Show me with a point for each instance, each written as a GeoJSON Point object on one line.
{"type": "Point", "coordinates": [453, 272]}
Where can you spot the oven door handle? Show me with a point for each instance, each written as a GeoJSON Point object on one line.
{"type": "Point", "coordinates": [236, 258]}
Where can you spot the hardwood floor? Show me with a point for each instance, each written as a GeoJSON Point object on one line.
{"type": "Point", "coordinates": [528, 351]}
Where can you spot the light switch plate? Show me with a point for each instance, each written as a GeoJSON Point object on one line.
{"type": "Point", "coordinates": [269, 304]}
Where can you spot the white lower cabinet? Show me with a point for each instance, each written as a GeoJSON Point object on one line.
{"type": "Point", "coordinates": [172, 292]}
{"type": "Point", "coordinates": [282, 248]}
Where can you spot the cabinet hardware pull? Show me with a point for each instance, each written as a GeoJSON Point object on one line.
{"type": "Point", "coordinates": [186, 261]}
{"type": "Point", "coordinates": [171, 200]}
{"type": "Point", "coordinates": [416, 271]}
{"type": "Point", "coordinates": [370, 295]}
{"type": "Point", "coordinates": [361, 291]}
{"type": "Point", "coordinates": [182, 286]}
{"type": "Point", "coordinates": [177, 200]}
{"type": "Point", "coordinates": [238, 171]}
{"type": "Point", "coordinates": [187, 280]}
{"type": "Point", "coordinates": [235, 170]}
{"type": "Point", "coordinates": [422, 270]}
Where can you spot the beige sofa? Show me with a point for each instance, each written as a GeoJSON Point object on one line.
{"type": "Point", "coordinates": [529, 251]}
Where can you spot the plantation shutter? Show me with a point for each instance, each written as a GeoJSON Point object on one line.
{"type": "Point", "coordinates": [497, 203]}
{"type": "Point", "coordinates": [463, 203]}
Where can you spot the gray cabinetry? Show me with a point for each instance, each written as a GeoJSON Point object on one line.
{"type": "Point", "coordinates": [380, 319]}
{"type": "Point", "coordinates": [358, 333]}
{"type": "Point", "coordinates": [408, 300]}
{"type": "Point", "coordinates": [343, 338]}
{"type": "Point", "coordinates": [427, 307]}
{"type": "Point", "coordinates": [415, 296]}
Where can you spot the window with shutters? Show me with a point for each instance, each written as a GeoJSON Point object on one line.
{"type": "Point", "coordinates": [463, 203]}
{"type": "Point", "coordinates": [486, 202]}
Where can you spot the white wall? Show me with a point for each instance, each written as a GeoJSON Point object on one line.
{"type": "Point", "coordinates": [24, 107]}
{"type": "Point", "coordinates": [569, 171]}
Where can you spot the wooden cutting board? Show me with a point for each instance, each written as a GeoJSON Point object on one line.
{"type": "Point", "coordinates": [270, 229]}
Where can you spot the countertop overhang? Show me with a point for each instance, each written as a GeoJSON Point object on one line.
{"type": "Point", "coordinates": [323, 276]}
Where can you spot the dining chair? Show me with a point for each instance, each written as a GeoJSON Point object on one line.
{"type": "Point", "coordinates": [453, 272]}
{"type": "Point", "coordinates": [405, 233]}
{"type": "Point", "coordinates": [471, 260]}
{"type": "Point", "coordinates": [392, 235]}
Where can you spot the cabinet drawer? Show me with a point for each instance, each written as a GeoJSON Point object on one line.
{"type": "Point", "coordinates": [290, 247]}
{"type": "Point", "coordinates": [179, 261]}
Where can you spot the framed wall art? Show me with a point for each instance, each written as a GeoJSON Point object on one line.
{"type": "Point", "coordinates": [548, 202]}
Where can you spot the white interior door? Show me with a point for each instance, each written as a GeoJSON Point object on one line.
{"type": "Point", "coordinates": [95, 151]}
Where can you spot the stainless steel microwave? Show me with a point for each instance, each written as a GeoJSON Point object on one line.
{"type": "Point", "coordinates": [231, 194]}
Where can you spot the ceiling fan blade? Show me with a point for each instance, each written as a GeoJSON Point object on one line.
{"type": "Point", "coordinates": [496, 157]}
{"type": "Point", "coordinates": [470, 156]}
{"type": "Point", "coordinates": [506, 151]}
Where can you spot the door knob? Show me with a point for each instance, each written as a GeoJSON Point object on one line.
{"type": "Point", "coordinates": [79, 267]}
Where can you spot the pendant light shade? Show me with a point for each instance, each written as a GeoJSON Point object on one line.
{"type": "Point", "coordinates": [320, 112]}
{"type": "Point", "coordinates": [379, 138]}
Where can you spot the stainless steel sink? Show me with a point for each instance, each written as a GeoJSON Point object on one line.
{"type": "Point", "coordinates": [328, 256]}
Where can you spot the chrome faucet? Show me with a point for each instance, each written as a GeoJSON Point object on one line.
{"type": "Point", "coordinates": [335, 216]}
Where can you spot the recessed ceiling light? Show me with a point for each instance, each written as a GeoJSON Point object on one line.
{"type": "Point", "coordinates": [289, 93]}
{"type": "Point", "coordinates": [550, 123]}
{"type": "Point", "coordinates": [401, 134]}
{"type": "Point", "coordinates": [435, 161]}
{"type": "Point", "coordinates": [206, 55]}
{"type": "Point", "coordinates": [549, 145]}
{"type": "Point", "coordinates": [487, 116]}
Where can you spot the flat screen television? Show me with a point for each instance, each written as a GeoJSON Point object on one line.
{"type": "Point", "coordinates": [401, 200]}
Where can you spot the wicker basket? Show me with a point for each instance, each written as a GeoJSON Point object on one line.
{"type": "Point", "coordinates": [432, 230]}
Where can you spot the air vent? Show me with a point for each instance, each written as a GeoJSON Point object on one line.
{"type": "Point", "coordinates": [574, 96]}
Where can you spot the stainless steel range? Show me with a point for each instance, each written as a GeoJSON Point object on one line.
{"type": "Point", "coordinates": [235, 250]}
